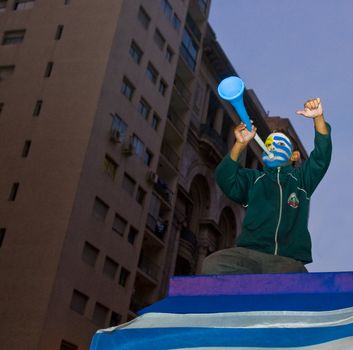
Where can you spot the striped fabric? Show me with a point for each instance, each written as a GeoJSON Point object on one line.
{"type": "Point", "coordinates": [283, 311]}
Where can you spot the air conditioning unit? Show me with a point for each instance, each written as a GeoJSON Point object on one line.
{"type": "Point", "coordinates": [128, 149]}
{"type": "Point", "coordinates": [152, 177]}
{"type": "Point", "coordinates": [115, 135]}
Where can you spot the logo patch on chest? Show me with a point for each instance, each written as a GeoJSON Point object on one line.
{"type": "Point", "coordinates": [293, 200]}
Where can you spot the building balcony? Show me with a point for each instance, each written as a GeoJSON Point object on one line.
{"type": "Point", "coordinates": [163, 190]}
{"type": "Point", "coordinates": [176, 122]}
{"type": "Point", "coordinates": [188, 236]}
{"type": "Point", "coordinates": [210, 139]}
{"type": "Point", "coordinates": [187, 244]}
{"type": "Point", "coordinates": [182, 91]}
{"type": "Point", "coordinates": [157, 227]}
{"type": "Point", "coordinates": [136, 305]}
{"type": "Point", "coordinates": [199, 9]}
{"type": "Point", "coordinates": [170, 155]}
{"type": "Point", "coordinates": [149, 267]}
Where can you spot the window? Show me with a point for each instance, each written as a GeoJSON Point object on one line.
{"type": "Point", "coordinates": [59, 32]}
{"type": "Point", "coordinates": [148, 156]}
{"type": "Point", "coordinates": [124, 276]}
{"type": "Point", "coordinates": [144, 108]}
{"type": "Point", "coordinates": [110, 166]}
{"type": "Point", "coordinates": [176, 23]}
{"type": "Point", "coordinates": [189, 50]}
{"type": "Point", "coordinates": [13, 192]}
{"type": "Point", "coordinates": [100, 314]}
{"type": "Point", "coordinates": [166, 8]}
{"type": "Point", "coordinates": [192, 25]}
{"type": "Point", "coordinates": [115, 319]}
{"type": "Point", "coordinates": [159, 39]}
{"type": "Point", "coordinates": [143, 17]}
{"type": "Point", "coordinates": [140, 195]}
{"type": "Point", "coordinates": [127, 88]}
{"type": "Point", "coordinates": [135, 52]}
{"type": "Point", "coordinates": [118, 128]}
{"type": "Point", "coordinates": [37, 108]}
{"type": "Point", "coordinates": [162, 87]}
{"type": "Point", "coordinates": [2, 235]}
{"type": "Point", "coordinates": [100, 209]}
{"type": "Point", "coordinates": [155, 121]}
{"type": "Point", "coordinates": [129, 184]}
{"type": "Point", "coordinates": [13, 37]}
{"type": "Point", "coordinates": [110, 267]}
{"type": "Point", "coordinates": [23, 5]}
{"type": "Point", "coordinates": [169, 53]}
{"type": "Point", "coordinates": [6, 72]}
{"type": "Point", "coordinates": [133, 232]}
{"type": "Point", "coordinates": [152, 73]}
{"type": "Point", "coordinates": [89, 254]}
{"type": "Point", "coordinates": [48, 69]}
{"type": "Point", "coordinates": [67, 346]}
{"type": "Point", "coordinates": [26, 148]}
{"type": "Point", "coordinates": [119, 224]}
{"type": "Point", "coordinates": [3, 4]}
{"type": "Point", "coordinates": [138, 145]}
{"type": "Point", "coordinates": [78, 302]}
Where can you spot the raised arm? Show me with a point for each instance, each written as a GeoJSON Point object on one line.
{"type": "Point", "coordinates": [234, 180]}
{"type": "Point", "coordinates": [314, 169]}
{"type": "Point", "coordinates": [242, 137]}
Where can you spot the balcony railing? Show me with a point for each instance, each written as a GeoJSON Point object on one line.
{"type": "Point", "coordinates": [182, 89]}
{"type": "Point", "coordinates": [176, 121]}
{"type": "Point", "coordinates": [214, 138]}
{"type": "Point", "coordinates": [163, 190]}
{"type": "Point", "coordinates": [170, 154]}
{"type": "Point", "coordinates": [158, 227]}
{"type": "Point", "coordinates": [188, 236]}
{"type": "Point", "coordinates": [148, 266]}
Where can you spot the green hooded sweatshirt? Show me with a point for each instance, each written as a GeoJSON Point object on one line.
{"type": "Point", "coordinates": [277, 201]}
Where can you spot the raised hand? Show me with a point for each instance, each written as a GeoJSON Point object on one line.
{"type": "Point", "coordinates": [312, 108]}
{"type": "Point", "coordinates": [243, 135]}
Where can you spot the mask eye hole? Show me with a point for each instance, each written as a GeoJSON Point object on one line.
{"type": "Point", "coordinates": [281, 143]}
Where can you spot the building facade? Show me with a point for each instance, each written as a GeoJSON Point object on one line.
{"type": "Point", "coordinates": [110, 130]}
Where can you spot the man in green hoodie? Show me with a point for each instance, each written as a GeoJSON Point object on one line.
{"type": "Point", "coordinates": [275, 236]}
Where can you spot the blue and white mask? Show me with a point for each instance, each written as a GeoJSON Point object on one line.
{"type": "Point", "coordinates": [281, 147]}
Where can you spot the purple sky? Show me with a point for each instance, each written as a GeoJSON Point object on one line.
{"type": "Point", "coordinates": [288, 51]}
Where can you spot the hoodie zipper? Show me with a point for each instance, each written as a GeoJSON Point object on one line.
{"type": "Point", "coordinates": [280, 211]}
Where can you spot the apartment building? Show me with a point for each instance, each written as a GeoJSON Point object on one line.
{"type": "Point", "coordinates": [110, 130]}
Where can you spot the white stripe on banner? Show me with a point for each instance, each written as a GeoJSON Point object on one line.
{"type": "Point", "coordinates": [341, 344]}
{"type": "Point", "coordinates": [251, 319]}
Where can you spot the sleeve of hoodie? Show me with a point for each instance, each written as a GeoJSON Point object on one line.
{"type": "Point", "coordinates": [233, 179]}
{"type": "Point", "coordinates": [314, 169]}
